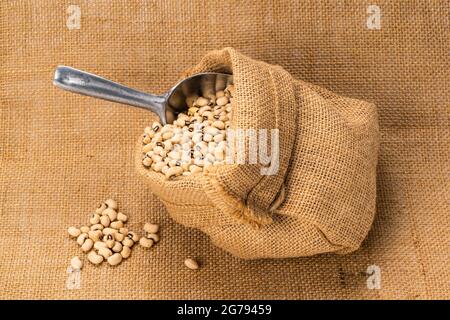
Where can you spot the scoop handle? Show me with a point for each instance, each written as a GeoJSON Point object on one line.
{"type": "Point", "coordinates": [89, 84]}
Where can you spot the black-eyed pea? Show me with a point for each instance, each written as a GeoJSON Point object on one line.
{"type": "Point", "coordinates": [95, 235]}
{"type": "Point", "coordinates": [221, 101]}
{"type": "Point", "coordinates": [176, 139]}
{"type": "Point", "coordinates": [191, 264]}
{"type": "Point", "coordinates": [211, 146]}
{"type": "Point", "coordinates": [74, 232]}
{"type": "Point", "coordinates": [167, 146]}
{"type": "Point", "coordinates": [156, 158]}
{"type": "Point", "coordinates": [201, 102]}
{"type": "Point", "coordinates": [157, 138]}
{"type": "Point", "coordinates": [150, 133]}
{"type": "Point", "coordinates": [119, 236]}
{"type": "Point", "coordinates": [158, 149]}
{"type": "Point", "coordinates": [151, 227]}
{"type": "Point", "coordinates": [110, 242]}
{"type": "Point", "coordinates": [167, 135]}
{"type": "Point", "coordinates": [208, 137]}
{"type": "Point", "coordinates": [105, 221]}
{"type": "Point", "coordinates": [100, 244]}
{"type": "Point", "coordinates": [185, 165]}
{"type": "Point", "coordinates": [199, 162]}
{"type": "Point", "coordinates": [87, 245]}
{"type": "Point", "coordinates": [192, 110]}
{"type": "Point", "coordinates": [164, 169]}
{"type": "Point", "coordinates": [146, 243]}
{"type": "Point", "coordinates": [123, 231]}
{"type": "Point", "coordinates": [94, 219]}
{"type": "Point", "coordinates": [179, 122]}
{"type": "Point", "coordinates": [115, 259]}
{"type": "Point", "coordinates": [156, 126]}
{"type": "Point", "coordinates": [148, 147]}
{"type": "Point", "coordinates": [122, 217]}
{"type": "Point", "coordinates": [97, 226]}
{"type": "Point", "coordinates": [111, 204]}
{"type": "Point", "coordinates": [94, 258]}
{"type": "Point", "coordinates": [197, 119]}
{"type": "Point", "coordinates": [133, 236]}
{"type": "Point", "coordinates": [108, 231]}
{"type": "Point", "coordinates": [167, 128]}
{"type": "Point", "coordinates": [223, 119]}
{"type": "Point", "coordinates": [116, 225]}
{"type": "Point", "coordinates": [153, 236]}
{"type": "Point", "coordinates": [81, 238]}
{"type": "Point", "coordinates": [117, 247]}
{"type": "Point", "coordinates": [127, 242]}
{"type": "Point", "coordinates": [197, 137]}
{"type": "Point", "coordinates": [146, 138]}
{"type": "Point", "coordinates": [173, 172]}
{"type": "Point", "coordinates": [148, 130]}
{"type": "Point", "coordinates": [207, 115]}
{"type": "Point", "coordinates": [218, 124]}
{"type": "Point", "coordinates": [159, 165]}
{"type": "Point", "coordinates": [176, 155]}
{"type": "Point", "coordinates": [219, 94]}
{"type": "Point", "coordinates": [212, 130]}
{"type": "Point", "coordinates": [172, 163]}
{"type": "Point", "coordinates": [126, 251]}
{"type": "Point", "coordinates": [111, 213]}
{"type": "Point", "coordinates": [100, 208]}
{"type": "Point", "coordinates": [147, 162]}
{"type": "Point", "coordinates": [198, 153]}
{"type": "Point", "coordinates": [195, 169]}
{"type": "Point", "coordinates": [105, 252]}
{"type": "Point", "coordinates": [85, 229]}
{"type": "Point", "coordinates": [218, 138]}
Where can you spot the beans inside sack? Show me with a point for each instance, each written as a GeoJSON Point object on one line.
{"type": "Point", "coordinates": [197, 140]}
{"type": "Point", "coordinates": [106, 238]}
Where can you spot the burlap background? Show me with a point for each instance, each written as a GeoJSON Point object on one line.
{"type": "Point", "coordinates": [61, 153]}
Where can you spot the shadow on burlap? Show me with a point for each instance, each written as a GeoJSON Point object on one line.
{"type": "Point", "coordinates": [61, 153]}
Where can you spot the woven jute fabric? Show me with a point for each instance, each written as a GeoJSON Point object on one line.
{"type": "Point", "coordinates": [325, 165]}
{"type": "Point", "coordinates": [60, 154]}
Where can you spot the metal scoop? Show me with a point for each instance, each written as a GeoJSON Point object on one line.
{"type": "Point", "coordinates": [166, 106]}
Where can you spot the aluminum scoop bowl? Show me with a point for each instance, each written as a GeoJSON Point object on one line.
{"type": "Point", "coordinates": [166, 106]}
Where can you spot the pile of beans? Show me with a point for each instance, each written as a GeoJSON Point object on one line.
{"type": "Point", "coordinates": [197, 140]}
{"type": "Point", "coordinates": [107, 238]}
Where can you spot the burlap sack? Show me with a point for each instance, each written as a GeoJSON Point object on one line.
{"type": "Point", "coordinates": [321, 198]}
